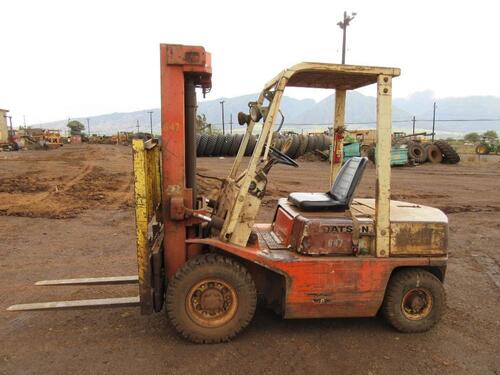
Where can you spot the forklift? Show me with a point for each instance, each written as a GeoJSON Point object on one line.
{"type": "Point", "coordinates": [206, 263]}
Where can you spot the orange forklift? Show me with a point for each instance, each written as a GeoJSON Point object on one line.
{"type": "Point", "coordinates": [325, 254]}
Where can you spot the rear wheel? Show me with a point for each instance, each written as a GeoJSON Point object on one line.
{"type": "Point", "coordinates": [414, 300]}
{"type": "Point", "coordinates": [211, 299]}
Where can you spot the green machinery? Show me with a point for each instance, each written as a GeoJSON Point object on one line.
{"type": "Point", "coordinates": [399, 153]}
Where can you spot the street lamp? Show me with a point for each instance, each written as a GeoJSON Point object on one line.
{"type": "Point", "coordinates": [343, 25]}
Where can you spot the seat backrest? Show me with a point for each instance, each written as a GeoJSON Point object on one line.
{"type": "Point", "coordinates": [348, 179]}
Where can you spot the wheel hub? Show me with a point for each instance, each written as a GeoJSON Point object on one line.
{"type": "Point", "coordinates": [417, 304]}
{"type": "Point", "coordinates": [211, 303]}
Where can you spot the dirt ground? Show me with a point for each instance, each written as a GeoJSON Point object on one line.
{"type": "Point", "coordinates": [69, 213]}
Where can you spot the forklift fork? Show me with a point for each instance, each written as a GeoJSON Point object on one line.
{"type": "Point", "coordinates": [149, 243]}
{"type": "Point", "coordinates": [84, 303]}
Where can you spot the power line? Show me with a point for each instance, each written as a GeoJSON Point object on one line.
{"type": "Point", "coordinates": [393, 121]}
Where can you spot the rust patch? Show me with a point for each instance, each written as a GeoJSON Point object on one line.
{"type": "Point", "coordinates": [418, 239]}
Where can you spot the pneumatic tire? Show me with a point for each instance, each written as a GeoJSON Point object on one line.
{"type": "Point", "coordinates": [200, 150]}
{"type": "Point", "coordinates": [228, 140]}
{"type": "Point", "coordinates": [211, 299]}
{"type": "Point", "coordinates": [303, 145]}
{"type": "Point", "coordinates": [450, 155]}
{"type": "Point", "coordinates": [235, 145]}
{"type": "Point", "coordinates": [294, 146]}
{"type": "Point", "coordinates": [218, 145]}
{"type": "Point", "coordinates": [209, 150]}
{"type": "Point", "coordinates": [414, 300]}
{"type": "Point", "coordinates": [417, 152]}
{"type": "Point", "coordinates": [252, 141]}
{"type": "Point", "coordinates": [434, 154]}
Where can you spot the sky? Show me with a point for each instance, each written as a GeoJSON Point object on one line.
{"type": "Point", "coordinates": [62, 59]}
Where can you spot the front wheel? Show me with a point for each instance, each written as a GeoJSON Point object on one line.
{"type": "Point", "coordinates": [211, 299]}
{"type": "Point", "coordinates": [414, 300]}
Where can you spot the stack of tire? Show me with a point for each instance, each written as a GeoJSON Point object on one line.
{"type": "Point", "coordinates": [437, 152]}
{"type": "Point", "coordinates": [293, 145]}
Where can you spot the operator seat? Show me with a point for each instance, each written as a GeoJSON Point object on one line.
{"type": "Point", "coordinates": [340, 196]}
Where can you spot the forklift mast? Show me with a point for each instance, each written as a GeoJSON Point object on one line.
{"type": "Point", "coordinates": [183, 69]}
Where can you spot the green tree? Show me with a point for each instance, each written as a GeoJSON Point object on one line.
{"type": "Point", "coordinates": [472, 137]}
{"type": "Point", "coordinates": [490, 136]}
{"type": "Point", "coordinates": [75, 127]}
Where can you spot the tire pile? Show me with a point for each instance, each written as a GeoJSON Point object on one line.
{"type": "Point", "coordinates": [293, 145]}
{"type": "Point", "coordinates": [437, 152]}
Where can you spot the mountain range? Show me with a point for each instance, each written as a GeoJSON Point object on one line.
{"type": "Point", "coordinates": [454, 115]}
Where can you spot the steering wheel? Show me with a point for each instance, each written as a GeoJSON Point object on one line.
{"type": "Point", "coordinates": [282, 158]}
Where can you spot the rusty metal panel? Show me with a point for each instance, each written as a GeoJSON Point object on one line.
{"type": "Point", "coordinates": [418, 239]}
{"type": "Point", "coordinates": [283, 225]}
{"type": "Point", "coordinates": [321, 237]}
{"type": "Point", "coordinates": [181, 55]}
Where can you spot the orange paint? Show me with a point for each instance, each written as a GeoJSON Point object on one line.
{"type": "Point", "coordinates": [323, 287]}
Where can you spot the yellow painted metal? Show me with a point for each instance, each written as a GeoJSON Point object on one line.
{"type": "Point", "coordinates": [147, 198]}
{"type": "Point", "coordinates": [383, 164]}
{"type": "Point", "coordinates": [341, 75]}
{"type": "Point", "coordinates": [236, 204]}
{"type": "Point", "coordinates": [241, 217]}
{"type": "Point", "coordinates": [244, 143]}
{"type": "Point", "coordinates": [339, 125]}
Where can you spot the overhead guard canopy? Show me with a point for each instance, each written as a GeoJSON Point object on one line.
{"type": "Point", "coordinates": [332, 76]}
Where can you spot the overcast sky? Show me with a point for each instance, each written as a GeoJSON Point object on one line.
{"type": "Point", "coordinates": [64, 59]}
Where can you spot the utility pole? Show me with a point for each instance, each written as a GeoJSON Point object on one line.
{"type": "Point", "coordinates": [151, 121]}
{"type": "Point", "coordinates": [343, 25]}
{"type": "Point", "coordinates": [413, 124]}
{"type": "Point", "coordinates": [88, 127]}
{"type": "Point", "coordinates": [137, 126]}
{"type": "Point", "coordinates": [222, 114]}
{"type": "Point", "coordinates": [231, 122]}
{"type": "Point", "coordinates": [433, 121]}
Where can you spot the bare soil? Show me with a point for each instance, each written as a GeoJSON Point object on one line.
{"type": "Point", "coordinates": [68, 213]}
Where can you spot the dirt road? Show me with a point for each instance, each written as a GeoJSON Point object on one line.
{"type": "Point", "coordinates": [68, 213]}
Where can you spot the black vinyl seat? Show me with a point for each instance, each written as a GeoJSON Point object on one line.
{"type": "Point", "coordinates": [339, 198]}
